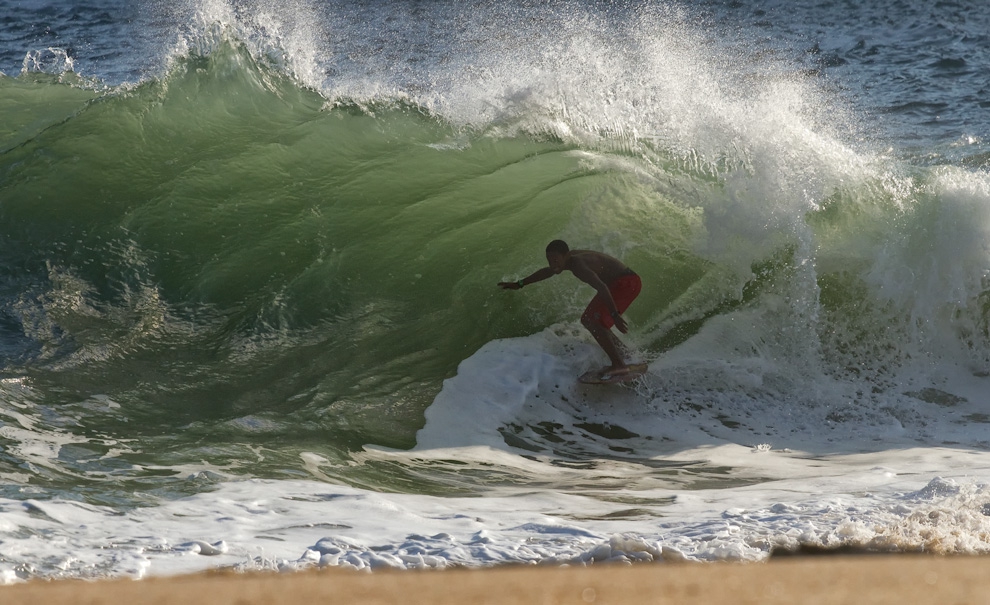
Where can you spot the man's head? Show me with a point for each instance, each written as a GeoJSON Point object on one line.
{"type": "Point", "coordinates": [557, 251]}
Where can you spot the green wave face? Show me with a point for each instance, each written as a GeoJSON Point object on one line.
{"type": "Point", "coordinates": [223, 243]}
{"type": "Point", "coordinates": [222, 259]}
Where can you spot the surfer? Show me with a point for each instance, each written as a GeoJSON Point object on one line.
{"type": "Point", "coordinates": [617, 286]}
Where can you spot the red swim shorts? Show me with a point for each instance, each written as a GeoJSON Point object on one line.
{"type": "Point", "coordinates": [624, 290]}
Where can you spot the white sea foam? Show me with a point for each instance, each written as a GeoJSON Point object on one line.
{"type": "Point", "coordinates": [890, 502]}
{"type": "Point", "coordinates": [570, 474]}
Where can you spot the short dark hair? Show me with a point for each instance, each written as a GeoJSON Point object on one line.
{"type": "Point", "coordinates": [558, 246]}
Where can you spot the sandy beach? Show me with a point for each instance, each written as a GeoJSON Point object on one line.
{"type": "Point", "coordinates": [913, 579]}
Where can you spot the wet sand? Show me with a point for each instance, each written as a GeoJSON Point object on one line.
{"type": "Point", "coordinates": [904, 579]}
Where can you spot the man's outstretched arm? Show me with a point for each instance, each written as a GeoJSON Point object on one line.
{"type": "Point", "coordinates": [538, 275]}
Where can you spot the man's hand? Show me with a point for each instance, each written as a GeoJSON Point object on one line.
{"type": "Point", "coordinates": [620, 323]}
{"type": "Point", "coordinates": [509, 285]}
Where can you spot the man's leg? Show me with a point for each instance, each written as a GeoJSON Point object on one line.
{"type": "Point", "coordinates": [606, 340]}
{"type": "Point", "coordinates": [620, 346]}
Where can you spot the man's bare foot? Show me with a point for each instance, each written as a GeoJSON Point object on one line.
{"type": "Point", "coordinates": [610, 371]}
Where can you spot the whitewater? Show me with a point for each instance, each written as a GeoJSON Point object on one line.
{"type": "Point", "coordinates": [249, 255]}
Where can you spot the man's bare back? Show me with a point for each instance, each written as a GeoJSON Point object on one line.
{"type": "Point", "coordinates": [607, 268]}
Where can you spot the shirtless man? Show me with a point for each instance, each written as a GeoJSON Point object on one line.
{"type": "Point", "coordinates": [617, 287]}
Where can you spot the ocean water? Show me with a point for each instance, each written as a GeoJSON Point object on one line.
{"type": "Point", "coordinates": [248, 256]}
